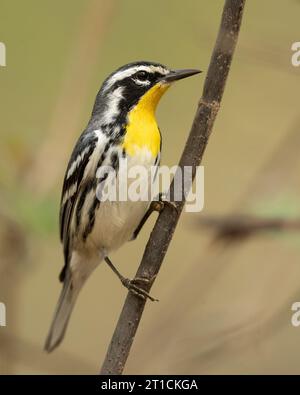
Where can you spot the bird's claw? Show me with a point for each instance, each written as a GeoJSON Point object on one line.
{"type": "Point", "coordinates": [161, 202]}
{"type": "Point", "coordinates": [131, 285]}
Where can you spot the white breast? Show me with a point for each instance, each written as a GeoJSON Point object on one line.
{"type": "Point", "coordinates": [117, 220]}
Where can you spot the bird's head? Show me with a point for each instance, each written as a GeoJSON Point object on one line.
{"type": "Point", "coordinates": [133, 83]}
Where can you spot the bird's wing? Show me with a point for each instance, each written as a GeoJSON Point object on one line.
{"type": "Point", "coordinates": [73, 181]}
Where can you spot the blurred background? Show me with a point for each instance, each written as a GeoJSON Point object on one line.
{"type": "Point", "coordinates": [225, 307]}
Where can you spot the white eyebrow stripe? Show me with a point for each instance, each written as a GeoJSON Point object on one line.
{"type": "Point", "coordinates": [128, 72]}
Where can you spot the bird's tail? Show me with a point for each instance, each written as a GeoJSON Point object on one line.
{"type": "Point", "coordinates": [62, 314]}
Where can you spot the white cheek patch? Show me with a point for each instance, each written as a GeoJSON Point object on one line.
{"type": "Point", "coordinates": [112, 111]}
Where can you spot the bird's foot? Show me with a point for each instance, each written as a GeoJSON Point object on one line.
{"type": "Point", "coordinates": [132, 286]}
{"type": "Point", "coordinates": [161, 202]}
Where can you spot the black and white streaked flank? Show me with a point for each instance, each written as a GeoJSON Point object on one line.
{"type": "Point", "coordinates": [89, 228]}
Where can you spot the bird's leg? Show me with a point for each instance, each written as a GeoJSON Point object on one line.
{"type": "Point", "coordinates": [143, 221]}
{"type": "Point", "coordinates": [156, 205]}
{"type": "Point", "coordinates": [131, 284]}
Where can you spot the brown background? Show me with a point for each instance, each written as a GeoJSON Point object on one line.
{"type": "Point", "coordinates": [223, 309]}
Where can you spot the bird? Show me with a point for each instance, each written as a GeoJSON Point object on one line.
{"type": "Point", "coordinates": [122, 132]}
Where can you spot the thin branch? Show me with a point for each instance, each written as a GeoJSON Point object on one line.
{"type": "Point", "coordinates": [237, 227]}
{"type": "Point", "coordinates": [164, 228]}
{"type": "Point", "coordinates": [280, 170]}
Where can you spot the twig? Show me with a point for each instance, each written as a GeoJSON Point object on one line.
{"type": "Point", "coordinates": [278, 171]}
{"type": "Point", "coordinates": [237, 227]}
{"type": "Point", "coordinates": [164, 228]}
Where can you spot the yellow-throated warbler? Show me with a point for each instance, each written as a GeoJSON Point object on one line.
{"type": "Point", "coordinates": [122, 129]}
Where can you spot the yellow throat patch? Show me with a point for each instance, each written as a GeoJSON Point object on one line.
{"type": "Point", "coordinates": [142, 129]}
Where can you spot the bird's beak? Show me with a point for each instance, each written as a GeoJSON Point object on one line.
{"type": "Point", "coordinates": [176, 75]}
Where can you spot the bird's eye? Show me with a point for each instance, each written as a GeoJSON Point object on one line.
{"type": "Point", "coordinates": [142, 75]}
